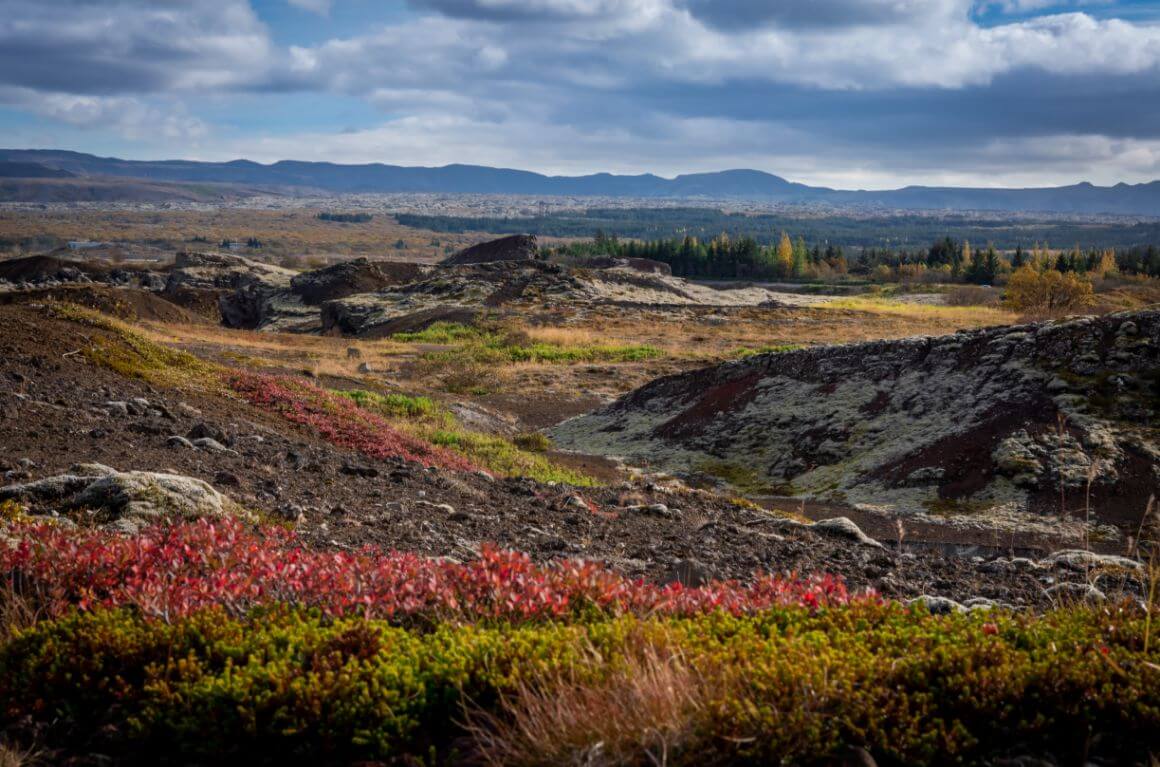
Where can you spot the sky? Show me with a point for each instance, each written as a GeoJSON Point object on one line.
{"type": "Point", "coordinates": [843, 93]}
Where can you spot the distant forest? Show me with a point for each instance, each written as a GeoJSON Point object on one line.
{"type": "Point", "coordinates": [946, 260]}
{"type": "Point", "coordinates": [894, 232]}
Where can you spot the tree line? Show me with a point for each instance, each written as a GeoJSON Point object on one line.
{"type": "Point", "coordinates": [945, 260]}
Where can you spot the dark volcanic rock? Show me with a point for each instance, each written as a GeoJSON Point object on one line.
{"type": "Point", "coordinates": [982, 426]}
{"type": "Point", "coordinates": [350, 277]}
{"type": "Point", "coordinates": [518, 247]}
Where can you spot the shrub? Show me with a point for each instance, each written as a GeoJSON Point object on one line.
{"type": "Point", "coordinates": [398, 405]}
{"type": "Point", "coordinates": [424, 419]}
{"type": "Point", "coordinates": [340, 420]}
{"type": "Point", "coordinates": [972, 295]}
{"type": "Point", "coordinates": [533, 441]}
{"type": "Point", "coordinates": [176, 570]}
{"type": "Point", "coordinates": [786, 685]}
{"type": "Point", "coordinates": [1032, 291]}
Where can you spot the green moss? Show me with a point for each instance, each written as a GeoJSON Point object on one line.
{"type": "Point", "coordinates": [494, 346]}
{"type": "Point", "coordinates": [743, 478]}
{"type": "Point", "coordinates": [956, 507]}
{"type": "Point", "coordinates": [440, 333]}
{"type": "Point", "coordinates": [425, 419]}
{"type": "Point", "coordinates": [744, 351]}
{"type": "Point", "coordinates": [128, 353]}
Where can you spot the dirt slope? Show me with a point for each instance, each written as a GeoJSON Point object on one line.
{"type": "Point", "coordinates": [55, 411]}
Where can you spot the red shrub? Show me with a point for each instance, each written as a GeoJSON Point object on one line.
{"type": "Point", "coordinates": [172, 571]}
{"type": "Point", "coordinates": [340, 421]}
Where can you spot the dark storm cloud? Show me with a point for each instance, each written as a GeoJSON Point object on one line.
{"type": "Point", "coordinates": [739, 14]}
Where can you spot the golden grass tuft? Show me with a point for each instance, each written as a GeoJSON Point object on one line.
{"type": "Point", "coordinates": [14, 756]}
{"type": "Point", "coordinates": [645, 712]}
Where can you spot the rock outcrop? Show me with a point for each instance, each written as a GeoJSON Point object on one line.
{"type": "Point", "coordinates": [348, 278]}
{"type": "Point", "coordinates": [518, 247]}
{"type": "Point", "coordinates": [221, 270]}
{"type": "Point", "coordinates": [123, 500]}
{"type": "Point", "coordinates": [982, 426]}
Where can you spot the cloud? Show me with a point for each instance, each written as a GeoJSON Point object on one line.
{"type": "Point", "coordinates": [130, 46]}
{"type": "Point", "coordinates": [130, 118]}
{"type": "Point", "coordinates": [321, 7]}
{"type": "Point", "coordinates": [741, 14]}
{"type": "Point", "coordinates": [523, 10]}
{"type": "Point", "coordinates": [854, 92]}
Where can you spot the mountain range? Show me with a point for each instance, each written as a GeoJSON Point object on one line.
{"type": "Point", "coordinates": [64, 167]}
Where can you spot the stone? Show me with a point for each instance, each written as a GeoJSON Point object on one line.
{"type": "Point", "coordinates": [291, 512]}
{"type": "Point", "coordinates": [117, 408]}
{"type": "Point", "coordinates": [690, 573]}
{"type": "Point", "coordinates": [843, 527]}
{"type": "Point", "coordinates": [139, 494]}
{"type": "Point", "coordinates": [226, 478]}
{"type": "Point", "coordinates": [653, 510]}
{"type": "Point", "coordinates": [1080, 559]}
{"type": "Point", "coordinates": [1075, 592]}
{"type": "Point", "coordinates": [359, 471]}
{"type": "Point", "coordinates": [937, 605]}
{"type": "Point", "coordinates": [204, 430]}
{"type": "Point", "coordinates": [212, 445]}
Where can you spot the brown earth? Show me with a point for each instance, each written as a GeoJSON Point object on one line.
{"type": "Point", "coordinates": [52, 414]}
{"type": "Point", "coordinates": [123, 303]}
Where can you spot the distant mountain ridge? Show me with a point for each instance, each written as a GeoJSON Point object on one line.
{"type": "Point", "coordinates": [1128, 199]}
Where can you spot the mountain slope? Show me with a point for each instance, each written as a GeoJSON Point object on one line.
{"type": "Point", "coordinates": [1138, 199]}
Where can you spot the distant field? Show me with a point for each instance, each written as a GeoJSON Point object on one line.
{"type": "Point", "coordinates": [903, 231]}
{"type": "Point", "coordinates": [280, 232]}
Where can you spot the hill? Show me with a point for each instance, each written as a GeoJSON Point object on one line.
{"type": "Point", "coordinates": [1003, 425]}
{"type": "Point", "coordinates": [1138, 199]}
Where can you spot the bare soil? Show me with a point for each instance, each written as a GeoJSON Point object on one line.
{"type": "Point", "coordinates": [51, 414]}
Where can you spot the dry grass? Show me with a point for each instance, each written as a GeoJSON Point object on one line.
{"type": "Point", "coordinates": [17, 611]}
{"type": "Point", "coordinates": [569, 336]}
{"type": "Point", "coordinates": [964, 316]}
{"type": "Point", "coordinates": [645, 712]}
{"type": "Point", "coordinates": [295, 352]}
{"type": "Point", "coordinates": [282, 232]}
{"type": "Point", "coordinates": [973, 295]}
{"type": "Point", "coordinates": [14, 756]}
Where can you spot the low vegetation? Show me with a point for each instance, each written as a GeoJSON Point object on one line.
{"type": "Point", "coordinates": [969, 316]}
{"type": "Point", "coordinates": [498, 346]}
{"type": "Point", "coordinates": [1047, 291]}
{"type": "Point", "coordinates": [212, 640]}
{"type": "Point", "coordinates": [172, 571]}
{"type": "Point", "coordinates": [340, 420]}
{"type": "Point", "coordinates": [422, 418]}
{"type": "Point", "coordinates": [130, 353]}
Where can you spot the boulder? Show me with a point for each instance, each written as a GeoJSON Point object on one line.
{"type": "Point", "coordinates": [937, 605]}
{"type": "Point", "coordinates": [843, 527]}
{"type": "Point", "coordinates": [348, 278]}
{"type": "Point", "coordinates": [126, 499]}
{"type": "Point", "coordinates": [517, 247]}
{"type": "Point", "coordinates": [1081, 559]}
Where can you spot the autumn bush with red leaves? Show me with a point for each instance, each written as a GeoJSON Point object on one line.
{"type": "Point", "coordinates": [172, 571]}
{"type": "Point", "coordinates": [339, 420]}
